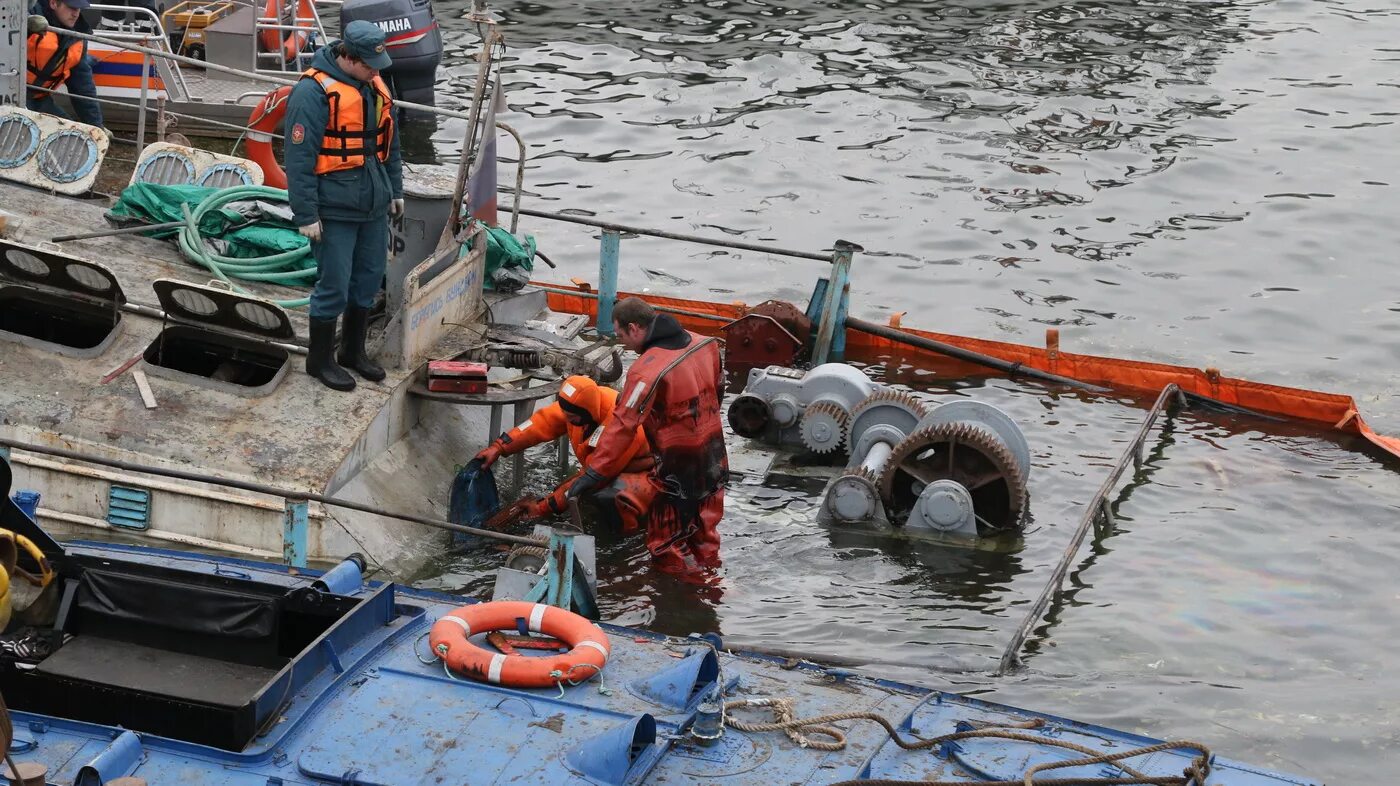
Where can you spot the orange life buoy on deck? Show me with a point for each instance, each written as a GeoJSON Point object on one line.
{"type": "Point", "coordinates": [290, 42]}
{"type": "Point", "coordinates": [589, 647]}
{"type": "Point", "coordinates": [262, 124]}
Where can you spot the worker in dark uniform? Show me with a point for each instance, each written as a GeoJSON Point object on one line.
{"type": "Point", "coordinates": [55, 59]}
{"type": "Point", "coordinates": [672, 394]}
{"type": "Point", "coordinates": [345, 180]}
{"type": "Point", "coordinates": [583, 412]}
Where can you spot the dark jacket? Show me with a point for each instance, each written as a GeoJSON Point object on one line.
{"type": "Point", "coordinates": [80, 84]}
{"type": "Point", "coordinates": [360, 194]}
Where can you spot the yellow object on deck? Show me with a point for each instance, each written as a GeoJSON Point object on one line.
{"type": "Point", "coordinates": [20, 557]}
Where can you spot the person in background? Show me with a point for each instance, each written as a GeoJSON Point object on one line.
{"type": "Point", "coordinates": [584, 411]}
{"type": "Point", "coordinates": [672, 394]}
{"type": "Point", "coordinates": [344, 180]}
{"type": "Point", "coordinates": [55, 60]}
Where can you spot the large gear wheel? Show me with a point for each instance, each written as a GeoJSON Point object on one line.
{"type": "Point", "coordinates": [824, 426]}
{"type": "Point", "coordinates": [968, 454]}
{"type": "Point", "coordinates": [527, 558]}
{"type": "Point", "coordinates": [886, 406]}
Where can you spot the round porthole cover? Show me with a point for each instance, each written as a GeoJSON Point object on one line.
{"type": "Point", "coordinates": [67, 156]}
{"type": "Point", "coordinates": [19, 138]}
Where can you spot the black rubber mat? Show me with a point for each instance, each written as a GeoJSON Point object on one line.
{"type": "Point", "coordinates": [171, 674]}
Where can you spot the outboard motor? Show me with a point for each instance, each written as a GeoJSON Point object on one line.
{"type": "Point", "coordinates": [413, 39]}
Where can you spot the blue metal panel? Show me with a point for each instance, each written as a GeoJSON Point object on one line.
{"type": "Point", "coordinates": [683, 685]}
{"type": "Point", "coordinates": [116, 760]}
{"type": "Point", "coordinates": [607, 279]}
{"type": "Point", "coordinates": [128, 507]}
{"type": "Point", "coordinates": [294, 525]}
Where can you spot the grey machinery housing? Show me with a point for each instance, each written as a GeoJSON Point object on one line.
{"type": "Point", "coordinates": [412, 38]}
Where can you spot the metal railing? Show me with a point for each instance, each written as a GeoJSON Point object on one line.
{"type": "Point", "coordinates": [1097, 514]}
{"type": "Point", "coordinates": [131, 20]}
{"type": "Point", "coordinates": [829, 312]}
{"type": "Point", "coordinates": [289, 27]}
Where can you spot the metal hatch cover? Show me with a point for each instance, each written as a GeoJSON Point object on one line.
{"type": "Point", "coordinates": [210, 307]}
{"type": "Point", "coordinates": [60, 273]}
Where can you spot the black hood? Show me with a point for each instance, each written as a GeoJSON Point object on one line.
{"type": "Point", "coordinates": [666, 333]}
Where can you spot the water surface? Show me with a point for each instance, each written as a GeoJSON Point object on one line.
{"type": "Point", "coordinates": [1205, 183]}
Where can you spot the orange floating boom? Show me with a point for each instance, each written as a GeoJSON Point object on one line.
{"type": "Point", "coordinates": [1333, 410]}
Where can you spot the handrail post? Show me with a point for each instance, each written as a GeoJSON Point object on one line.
{"type": "Point", "coordinates": [294, 524]}
{"type": "Point", "coordinates": [607, 279]}
{"type": "Point", "coordinates": [831, 332]}
{"type": "Point", "coordinates": [141, 113]}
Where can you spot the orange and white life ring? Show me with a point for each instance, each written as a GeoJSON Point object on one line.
{"type": "Point", "coordinates": [289, 42]}
{"type": "Point", "coordinates": [262, 124]}
{"type": "Point", "coordinates": [589, 646]}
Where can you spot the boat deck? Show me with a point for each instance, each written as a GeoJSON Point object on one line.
{"type": "Point", "coordinates": [382, 711]}
{"type": "Point", "coordinates": [275, 437]}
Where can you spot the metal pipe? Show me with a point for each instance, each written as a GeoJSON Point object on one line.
{"type": "Point", "coordinates": [608, 225]}
{"type": "Point", "coordinates": [453, 226]}
{"type": "Point", "coordinates": [1014, 369]}
{"type": "Point", "coordinates": [263, 488]}
{"type": "Point", "coordinates": [143, 102]}
{"type": "Point", "coordinates": [1097, 507]}
{"type": "Point", "coordinates": [611, 249]}
{"type": "Point", "coordinates": [519, 178]}
{"type": "Point", "coordinates": [667, 309]}
{"type": "Point", "coordinates": [155, 313]}
{"type": "Point", "coordinates": [121, 231]}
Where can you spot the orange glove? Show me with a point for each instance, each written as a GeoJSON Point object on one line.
{"type": "Point", "coordinates": [490, 453]}
{"type": "Point", "coordinates": [539, 508]}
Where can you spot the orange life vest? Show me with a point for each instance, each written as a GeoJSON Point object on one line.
{"type": "Point", "coordinates": [353, 130]}
{"type": "Point", "coordinates": [51, 58]}
{"type": "Point", "coordinates": [583, 395]}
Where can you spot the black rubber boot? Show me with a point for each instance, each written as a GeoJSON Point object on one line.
{"type": "Point", "coordinates": [319, 363]}
{"type": "Point", "coordinates": [352, 353]}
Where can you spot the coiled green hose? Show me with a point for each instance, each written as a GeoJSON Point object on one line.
{"type": "Point", "coordinates": [295, 268]}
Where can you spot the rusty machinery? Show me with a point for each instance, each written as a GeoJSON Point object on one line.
{"type": "Point", "coordinates": [773, 333]}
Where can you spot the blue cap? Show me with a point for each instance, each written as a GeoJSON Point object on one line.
{"type": "Point", "coordinates": [363, 40]}
{"type": "Point", "coordinates": [78, 4]}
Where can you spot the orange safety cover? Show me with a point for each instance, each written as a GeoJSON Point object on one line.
{"type": "Point", "coordinates": [1331, 409]}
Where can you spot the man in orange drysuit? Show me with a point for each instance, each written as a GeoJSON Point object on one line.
{"type": "Point", "coordinates": [672, 395]}
{"type": "Point", "coordinates": [584, 412]}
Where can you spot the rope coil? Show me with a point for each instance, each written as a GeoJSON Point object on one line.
{"type": "Point", "coordinates": [797, 730]}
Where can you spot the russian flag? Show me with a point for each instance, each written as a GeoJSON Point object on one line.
{"type": "Point", "coordinates": [481, 182]}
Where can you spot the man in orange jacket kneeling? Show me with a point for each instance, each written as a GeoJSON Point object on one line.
{"type": "Point", "coordinates": [583, 412]}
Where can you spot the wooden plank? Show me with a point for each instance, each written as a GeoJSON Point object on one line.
{"type": "Point", "coordinates": [119, 370]}
{"type": "Point", "coordinates": [144, 385]}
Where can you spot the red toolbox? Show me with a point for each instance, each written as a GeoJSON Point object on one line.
{"type": "Point", "coordinates": [455, 376]}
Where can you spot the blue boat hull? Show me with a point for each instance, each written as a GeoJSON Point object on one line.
{"type": "Point", "coordinates": [364, 702]}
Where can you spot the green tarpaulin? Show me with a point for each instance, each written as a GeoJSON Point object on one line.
{"type": "Point", "coordinates": [272, 233]}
